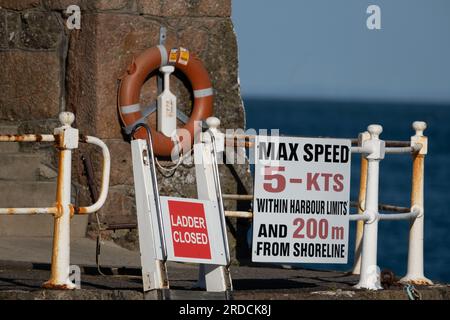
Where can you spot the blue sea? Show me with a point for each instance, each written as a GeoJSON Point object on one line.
{"type": "Point", "coordinates": [346, 120]}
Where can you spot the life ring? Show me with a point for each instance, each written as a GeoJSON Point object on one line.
{"type": "Point", "coordinates": [130, 87]}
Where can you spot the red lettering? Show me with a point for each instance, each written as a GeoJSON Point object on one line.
{"type": "Point", "coordinates": [338, 182]}
{"type": "Point", "coordinates": [311, 180]}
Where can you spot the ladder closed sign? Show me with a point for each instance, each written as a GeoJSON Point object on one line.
{"type": "Point", "coordinates": [193, 231]}
{"type": "Point", "coordinates": [189, 231]}
{"type": "Point", "coordinates": [301, 202]}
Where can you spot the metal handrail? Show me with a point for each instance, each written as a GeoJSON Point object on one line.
{"type": "Point", "coordinates": [55, 210]}
{"type": "Point", "coordinates": [66, 139]}
{"type": "Point", "coordinates": [28, 138]}
{"type": "Point", "coordinates": [105, 176]}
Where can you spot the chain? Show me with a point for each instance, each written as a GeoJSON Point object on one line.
{"type": "Point", "coordinates": [412, 292]}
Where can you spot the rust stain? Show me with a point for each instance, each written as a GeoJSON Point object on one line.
{"type": "Point", "coordinates": [83, 138]}
{"type": "Point", "coordinates": [57, 140]}
{"type": "Point", "coordinates": [81, 210]}
{"type": "Point", "coordinates": [50, 285]}
{"type": "Point", "coordinates": [22, 138]}
{"type": "Point", "coordinates": [72, 210]}
{"type": "Point", "coordinates": [30, 211]}
{"type": "Point", "coordinates": [59, 186]}
{"type": "Point", "coordinates": [388, 279]}
{"type": "Point", "coordinates": [419, 282]}
{"type": "Point", "coordinates": [417, 179]}
{"type": "Point", "coordinates": [59, 210]}
{"type": "Point", "coordinates": [60, 178]}
{"type": "Point", "coordinates": [18, 138]}
{"type": "Point", "coordinates": [239, 143]}
{"type": "Point", "coordinates": [55, 252]}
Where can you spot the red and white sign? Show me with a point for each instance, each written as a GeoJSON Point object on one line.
{"type": "Point", "coordinates": [193, 231]}
{"type": "Point", "coordinates": [301, 200]}
{"type": "Point", "coordinates": [189, 230]}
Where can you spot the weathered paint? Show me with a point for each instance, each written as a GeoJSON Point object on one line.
{"type": "Point", "coordinates": [27, 138]}
{"type": "Point", "coordinates": [59, 278]}
{"type": "Point", "coordinates": [65, 139]}
{"type": "Point", "coordinates": [61, 232]}
{"type": "Point", "coordinates": [361, 208]}
{"type": "Point", "coordinates": [361, 205]}
{"type": "Point", "coordinates": [28, 211]}
{"type": "Point", "coordinates": [81, 210]}
{"type": "Point", "coordinates": [415, 268]}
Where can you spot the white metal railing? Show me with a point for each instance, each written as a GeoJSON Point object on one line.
{"type": "Point", "coordinates": [373, 150]}
{"type": "Point", "coordinates": [66, 139]}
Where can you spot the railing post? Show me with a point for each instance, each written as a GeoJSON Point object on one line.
{"type": "Point", "coordinates": [67, 139]}
{"type": "Point", "coordinates": [415, 272]}
{"type": "Point", "coordinates": [215, 278]}
{"type": "Point", "coordinates": [363, 136]}
{"type": "Point", "coordinates": [370, 276]}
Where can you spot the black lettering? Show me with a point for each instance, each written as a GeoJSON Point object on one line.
{"type": "Point", "coordinates": [328, 152]}
{"type": "Point", "coordinates": [345, 151]}
{"type": "Point", "coordinates": [293, 150]}
{"type": "Point", "coordinates": [308, 154]}
{"type": "Point", "coordinates": [336, 153]}
{"type": "Point", "coordinates": [282, 152]}
{"type": "Point", "coordinates": [262, 232]}
{"type": "Point", "coordinates": [319, 151]}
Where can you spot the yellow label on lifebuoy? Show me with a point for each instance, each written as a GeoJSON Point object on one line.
{"type": "Point", "coordinates": [173, 56]}
{"type": "Point", "coordinates": [184, 56]}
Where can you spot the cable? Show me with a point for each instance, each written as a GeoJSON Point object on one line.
{"type": "Point", "coordinates": [168, 171]}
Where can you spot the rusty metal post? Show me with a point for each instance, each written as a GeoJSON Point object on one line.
{"type": "Point", "coordinates": [364, 136]}
{"type": "Point", "coordinates": [415, 271]}
{"type": "Point", "coordinates": [66, 141]}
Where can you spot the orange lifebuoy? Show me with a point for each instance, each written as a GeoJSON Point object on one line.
{"type": "Point", "coordinates": [130, 87]}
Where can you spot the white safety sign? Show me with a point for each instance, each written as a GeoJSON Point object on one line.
{"type": "Point", "coordinates": [193, 231]}
{"type": "Point", "coordinates": [301, 200]}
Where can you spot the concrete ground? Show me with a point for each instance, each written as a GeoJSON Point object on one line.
{"type": "Point", "coordinates": [24, 266]}
{"type": "Point", "coordinates": [82, 251]}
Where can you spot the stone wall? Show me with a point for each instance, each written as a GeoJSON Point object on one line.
{"type": "Point", "coordinates": [46, 68]}
{"type": "Point", "coordinates": [32, 54]}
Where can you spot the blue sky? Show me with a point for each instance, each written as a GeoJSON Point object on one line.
{"type": "Point", "coordinates": [323, 49]}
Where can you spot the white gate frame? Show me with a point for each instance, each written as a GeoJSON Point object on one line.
{"type": "Point", "coordinates": [215, 278]}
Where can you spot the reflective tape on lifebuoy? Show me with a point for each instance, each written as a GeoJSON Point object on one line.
{"type": "Point", "coordinates": [130, 87]}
